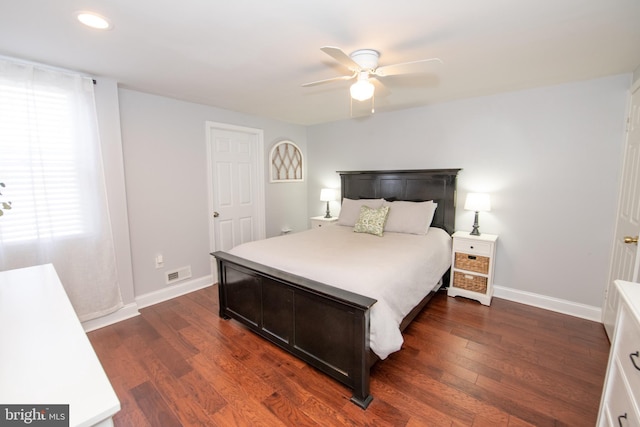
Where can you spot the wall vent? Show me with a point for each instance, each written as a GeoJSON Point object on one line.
{"type": "Point", "coordinates": [179, 274]}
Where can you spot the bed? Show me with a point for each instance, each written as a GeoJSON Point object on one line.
{"type": "Point", "coordinates": [321, 313]}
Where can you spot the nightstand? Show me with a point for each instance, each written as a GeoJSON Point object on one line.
{"type": "Point", "coordinates": [472, 265]}
{"type": "Point", "coordinates": [321, 221]}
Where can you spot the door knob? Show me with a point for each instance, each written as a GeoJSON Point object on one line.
{"type": "Point", "coordinates": [216, 215]}
{"type": "Point", "coordinates": [629, 239]}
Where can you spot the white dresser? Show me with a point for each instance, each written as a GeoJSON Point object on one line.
{"type": "Point", "coordinates": [621, 394]}
{"type": "Point", "coordinates": [45, 355]}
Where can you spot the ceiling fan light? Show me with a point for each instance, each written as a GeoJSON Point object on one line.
{"type": "Point", "coordinates": [362, 90]}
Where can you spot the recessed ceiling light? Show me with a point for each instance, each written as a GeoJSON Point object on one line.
{"type": "Point", "coordinates": [93, 20]}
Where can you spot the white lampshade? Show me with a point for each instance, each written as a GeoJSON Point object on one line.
{"type": "Point", "coordinates": [362, 90]}
{"type": "Point", "coordinates": [479, 202]}
{"type": "Point", "coordinates": [327, 195]}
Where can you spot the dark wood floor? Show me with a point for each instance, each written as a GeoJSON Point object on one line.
{"type": "Point", "coordinates": [462, 364]}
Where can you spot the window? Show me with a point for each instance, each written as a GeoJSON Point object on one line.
{"type": "Point", "coordinates": [39, 165]}
{"type": "Point", "coordinates": [51, 165]}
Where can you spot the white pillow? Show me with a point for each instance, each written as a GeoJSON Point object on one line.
{"type": "Point", "coordinates": [410, 217]}
{"type": "Point", "coordinates": [350, 209]}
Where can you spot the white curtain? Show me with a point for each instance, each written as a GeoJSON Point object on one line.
{"type": "Point", "coordinates": [51, 165]}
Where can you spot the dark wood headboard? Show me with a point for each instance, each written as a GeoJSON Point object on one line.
{"type": "Point", "coordinates": [438, 185]}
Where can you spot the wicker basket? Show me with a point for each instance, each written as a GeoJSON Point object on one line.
{"type": "Point", "coordinates": [479, 264]}
{"type": "Point", "coordinates": [470, 282]}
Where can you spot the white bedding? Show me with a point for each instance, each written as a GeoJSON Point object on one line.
{"type": "Point", "coordinates": [397, 269]}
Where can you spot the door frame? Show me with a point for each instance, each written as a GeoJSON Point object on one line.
{"type": "Point", "coordinates": [258, 188]}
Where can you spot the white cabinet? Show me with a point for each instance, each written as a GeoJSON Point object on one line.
{"type": "Point", "coordinates": [472, 266]}
{"type": "Point", "coordinates": [320, 221]}
{"type": "Point", "coordinates": [621, 394]}
{"type": "Point", "coordinates": [46, 357]}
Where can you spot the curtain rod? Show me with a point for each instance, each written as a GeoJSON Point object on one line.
{"type": "Point", "coordinates": [45, 66]}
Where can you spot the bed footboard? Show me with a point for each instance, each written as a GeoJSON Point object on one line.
{"type": "Point", "coordinates": [322, 325]}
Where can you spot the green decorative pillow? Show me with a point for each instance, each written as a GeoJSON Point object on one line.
{"type": "Point", "coordinates": [371, 220]}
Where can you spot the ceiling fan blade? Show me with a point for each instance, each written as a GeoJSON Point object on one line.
{"type": "Point", "coordinates": [419, 66]}
{"type": "Point", "coordinates": [339, 55]}
{"type": "Point", "coordinates": [381, 89]}
{"type": "Point", "coordinates": [333, 79]}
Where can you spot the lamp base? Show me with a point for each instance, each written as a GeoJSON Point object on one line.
{"type": "Point", "coordinates": [328, 215]}
{"type": "Point", "coordinates": [475, 231]}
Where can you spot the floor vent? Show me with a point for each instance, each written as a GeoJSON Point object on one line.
{"type": "Point", "coordinates": [179, 274]}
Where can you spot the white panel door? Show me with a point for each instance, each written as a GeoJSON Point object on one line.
{"type": "Point", "coordinates": [625, 262]}
{"type": "Point", "coordinates": [236, 185]}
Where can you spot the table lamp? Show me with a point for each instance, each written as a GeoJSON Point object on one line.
{"type": "Point", "coordinates": [327, 195]}
{"type": "Point", "coordinates": [478, 202]}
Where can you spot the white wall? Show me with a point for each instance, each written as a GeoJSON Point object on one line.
{"type": "Point", "coordinates": [165, 162]}
{"type": "Point", "coordinates": [550, 158]}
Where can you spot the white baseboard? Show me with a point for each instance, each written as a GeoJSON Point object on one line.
{"type": "Point", "coordinates": [548, 303]}
{"type": "Point", "coordinates": [131, 310]}
{"type": "Point", "coordinates": [173, 291]}
{"type": "Point", "coordinates": [126, 312]}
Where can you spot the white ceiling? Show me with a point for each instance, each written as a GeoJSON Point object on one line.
{"type": "Point", "coordinates": [252, 56]}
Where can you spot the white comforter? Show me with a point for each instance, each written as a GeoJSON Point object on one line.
{"type": "Point", "coordinates": [398, 269]}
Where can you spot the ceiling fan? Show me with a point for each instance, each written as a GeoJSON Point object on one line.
{"type": "Point", "coordinates": [363, 64]}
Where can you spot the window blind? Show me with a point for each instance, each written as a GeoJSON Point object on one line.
{"type": "Point", "coordinates": [39, 165]}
